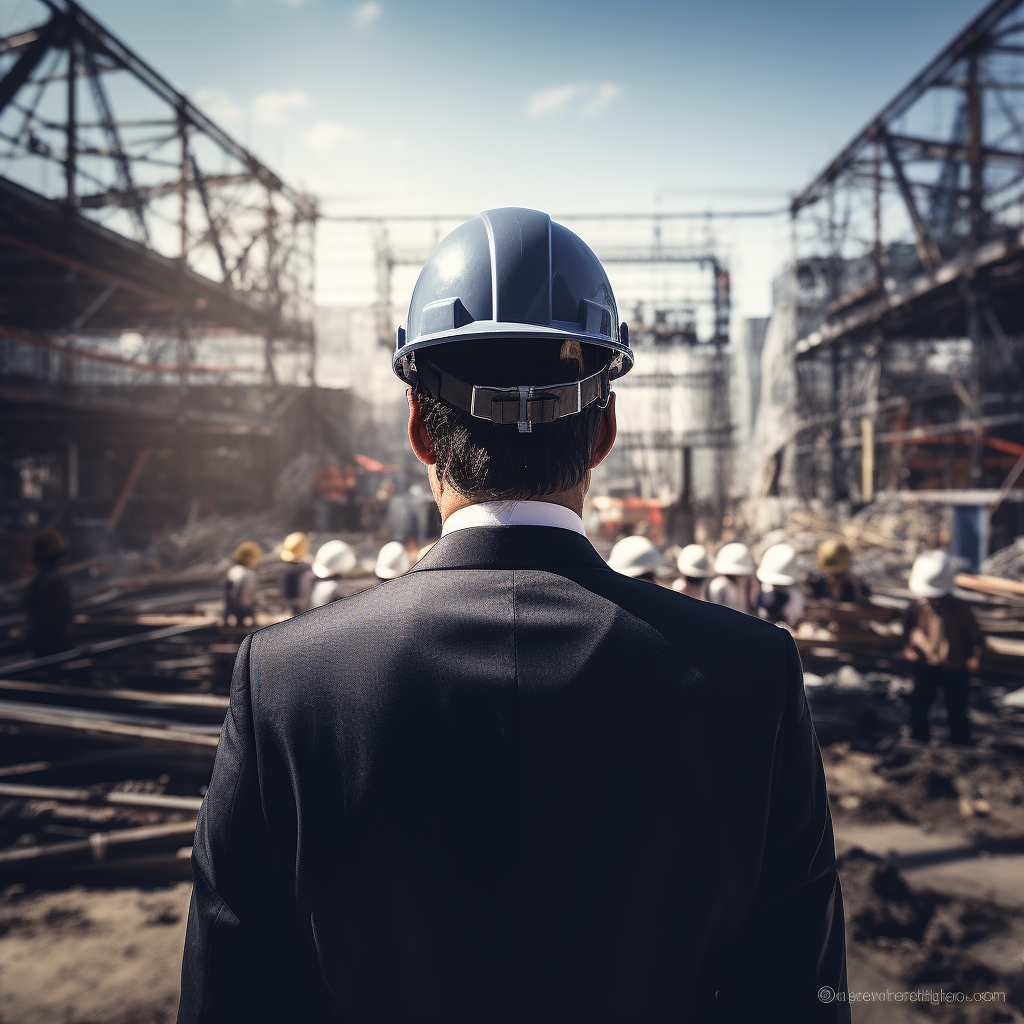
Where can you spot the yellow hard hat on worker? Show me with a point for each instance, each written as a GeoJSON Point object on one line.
{"type": "Point", "coordinates": [248, 553]}
{"type": "Point", "coordinates": [48, 544]}
{"type": "Point", "coordinates": [833, 556]}
{"type": "Point", "coordinates": [295, 547]}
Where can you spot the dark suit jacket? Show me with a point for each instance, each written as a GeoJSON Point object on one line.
{"type": "Point", "coordinates": [513, 785]}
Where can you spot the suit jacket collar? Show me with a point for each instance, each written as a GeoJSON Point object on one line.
{"type": "Point", "coordinates": [511, 547]}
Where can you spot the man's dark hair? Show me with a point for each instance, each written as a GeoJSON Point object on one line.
{"type": "Point", "coordinates": [481, 459]}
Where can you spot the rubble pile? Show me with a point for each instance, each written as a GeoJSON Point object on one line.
{"type": "Point", "coordinates": [846, 703]}
{"type": "Point", "coordinates": [884, 538]}
{"type": "Point", "coordinates": [1008, 563]}
{"type": "Point", "coordinates": [978, 791]}
{"type": "Point", "coordinates": [929, 941]}
{"type": "Point", "coordinates": [209, 541]}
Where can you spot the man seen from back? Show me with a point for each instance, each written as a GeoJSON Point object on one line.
{"type": "Point", "coordinates": [513, 785]}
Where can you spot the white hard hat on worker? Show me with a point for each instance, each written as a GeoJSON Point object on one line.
{"type": "Point", "coordinates": [392, 561]}
{"type": "Point", "coordinates": [932, 574]}
{"type": "Point", "coordinates": [735, 559]}
{"type": "Point", "coordinates": [778, 566]}
{"type": "Point", "coordinates": [634, 556]}
{"type": "Point", "coordinates": [335, 558]}
{"type": "Point", "coordinates": [693, 562]}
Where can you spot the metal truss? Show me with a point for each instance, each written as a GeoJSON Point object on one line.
{"type": "Point", "coordinates": [931, 190]}
{"type": "Point", "coordinates": [198, 205]}
{"type": "Point", "coordinates": [914, 233]}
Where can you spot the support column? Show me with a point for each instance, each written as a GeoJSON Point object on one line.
{"type": "Point", "coordinates": [975, 129]}
{"type": "Point", "coordinates": [974, 388]}
{"type": "Point", "coordinates": [183, 187]}
{"type": "Point", "coordinates": [71, 488]}
{"type": "Point", "coordinates": [186, 357]}
{"type": "Point", "coordinates": [876, 211]}
{"type": "Point", "coordinates": [873, 353]}
{"type": "Point", "coordinates": [269, 373]}
{"type": "Point", "coordinates": [867, 459]}
{"type": "Point", "coordinates": [71, 129]}
{"type": "Point", "coordinates": [838, 477]}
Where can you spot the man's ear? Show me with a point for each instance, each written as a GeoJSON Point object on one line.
{"type": "Point", "coordinates": [422, 446]}
{"type": "Point", "coordinates": [606, 435]}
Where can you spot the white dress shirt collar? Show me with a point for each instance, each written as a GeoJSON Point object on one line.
{"type": "Point", "coordinates": [513, 513]}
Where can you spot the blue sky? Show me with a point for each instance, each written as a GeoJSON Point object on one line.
{"type": "Point", "coordinates": [452, 106]}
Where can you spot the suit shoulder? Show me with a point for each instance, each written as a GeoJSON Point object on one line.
{"type": "Point", "coordinates": [652, 599]}
{"type": "Point", "coordinates": [723, 644]}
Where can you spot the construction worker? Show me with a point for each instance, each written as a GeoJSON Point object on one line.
{"type": "Point", "coordinates": [735, 584]}
{"type": "Point", "coordinates": [47, 602]}
{"type": "Point", "coordinates": [781, 598]}
{"type": "Point", "coordinates": [392, 561]}
{"type": "Point", "coordinates": [944, 645]}
{"type": "Point", "coordinates": [240, 586]}
{"type": "Point", "coordinates": [835, 581]}
{"type": "Point", "coordinates": [695, 568]}
{"type": "Point", "coordinates": [297, 584]}
{"type": "Point", "coordinates": [636, 557]}
{"type": "Point", "coordinates": [332, 561]}
{"type": "Point", "coordinates": [513, 784]}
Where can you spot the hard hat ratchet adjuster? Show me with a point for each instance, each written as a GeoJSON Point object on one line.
{"type": "Point", "coordinates": [525, 397]}
{"type": "Point", "coordinates": [523, 405]}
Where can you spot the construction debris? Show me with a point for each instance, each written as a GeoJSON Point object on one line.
{"type": "Point", "coordinates": [1007, 563]}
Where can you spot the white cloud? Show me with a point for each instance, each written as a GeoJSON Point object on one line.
{"type": "Point", "coordinates": [275, 107]}
{"type": "Point", "coordinates": [366, 14]}
{"type": "Point", "coordinates": [218, 104]}
{"type": "Point", "coordinates": [555, 97]}
{"type": "Point", "coordinates": [601, 95]}
{"type": "Point", "coordinates": [326, 134]}
{"type": "Point", "coordinates": [547, 101]}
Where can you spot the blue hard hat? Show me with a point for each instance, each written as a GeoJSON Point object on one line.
{"type": "Point", "coordinates": [504, 276]}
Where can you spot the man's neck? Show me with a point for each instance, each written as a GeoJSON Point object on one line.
{"type": "Point", "coordinates": [450, 500]}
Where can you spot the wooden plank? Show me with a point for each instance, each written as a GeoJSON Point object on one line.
{"type": "Point", "coordinates": [1005, 646]}
{"type": "Point", "coordinates": [97, 844]}
{"type": "Point", "coordinates": [989, 584]}
{"type": "Point", "coordinates": [51, 721]}
{"type": "Point", "coordinates": [823, 610]}
{"type": "Point", "coordinates": [880, 646]}
{"type": "Point", "coordinates": [144, 619]}
{"type": "Point", "coordinates": [87, 650]}
{"type": "Point", "coordinates": [98, 757]}
{"type": "Point", "coordinates": [87, 796]}
{"type": "Point", "coordinates": [173, 864]}
{"type": "Point", "coordinates": [186, 700]}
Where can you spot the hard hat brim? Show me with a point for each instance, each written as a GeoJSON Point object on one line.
{"type": "Point", "coordinates": [833, 568]}
{"type": "Point", "coordinates": [919, 589]}
{"type": "Point", "coordinates": [483, 330]}
{"type": "Point", "coordinates": [776, 579]}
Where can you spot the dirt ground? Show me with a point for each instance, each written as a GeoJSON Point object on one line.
{"type": "Point", "coordinates": [931, 854]}
{"type": "Point", "coordinates": [91, 956]}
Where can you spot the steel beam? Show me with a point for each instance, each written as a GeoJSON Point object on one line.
{"type": "Point", "coordinates": [926, 248]}
{"type": "Point", "coordinates": [965, 43]}
{"type": "Point", "coordinates": [28, 61]}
